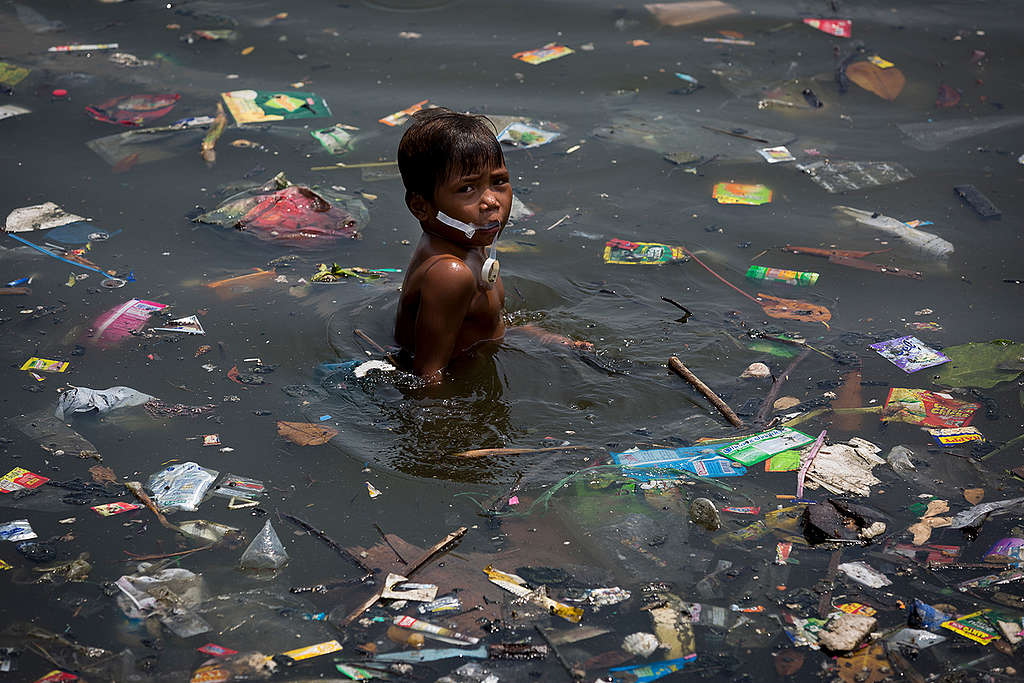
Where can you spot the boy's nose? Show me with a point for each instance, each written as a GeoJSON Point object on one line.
{"type": "Point", "coordinates": [490, 200]}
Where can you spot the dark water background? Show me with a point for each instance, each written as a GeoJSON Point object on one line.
{"type": "Point", "coordinates": [525, 394]}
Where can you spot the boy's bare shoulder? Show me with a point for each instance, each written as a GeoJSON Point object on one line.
{"type": "Point", "coordinates": [446, 275]}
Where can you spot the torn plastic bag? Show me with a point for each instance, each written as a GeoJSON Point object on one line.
{"type": "Point", "coordinates": [133, 110]}
{"type": "Point", "coordinates": [931, 136]}
{"type": "Point", "coordinates": [921, 242]}
{"type": "Point", "coordinates": [265, 551]}
{"type": "Point", "coordinates": [836, 175]}
{"type": "Point", "coordinates": [53, 435]}
{"type": "Point", "coordinates": [970, 516]}
{"type": "Point", "coordinates": [93, 663]}
{"type": "Point", "coordinates": [181, 486]}
{"type": "Point", "coordinates": [36, 22]}
{"type": "Point", "coordinates": [84, 399]}
{"type": "Point", "coordinates": [669, 132]}
{"type": "Point", "coordinates": [865, 574]}
{"type": "Point", "coordinates": [170, 595]}
{"type": "Point", "coordinates": [133, 147]}
{"type": "Point", "coordinates": [141, 592]}
{"type": "Point", "coordinates": [279, 210]}
{"type": "Point", "coordinates": [242, 666]}
{"type": "Point", "coordinates": [39, 217]}
{"type": "Point", "coordinates": [81, 232]}
{"type": "Point", "coordinates": [470, 672]}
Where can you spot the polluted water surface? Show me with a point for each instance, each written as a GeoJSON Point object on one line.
{"type": "Point", "coordinates": [758, 406]}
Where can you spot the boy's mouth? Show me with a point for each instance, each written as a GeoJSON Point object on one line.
{"type": "Point", "coordinates": [468, 229]}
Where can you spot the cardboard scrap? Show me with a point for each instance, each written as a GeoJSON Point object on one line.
{"type": "Point", "coordinates": [305, 433]}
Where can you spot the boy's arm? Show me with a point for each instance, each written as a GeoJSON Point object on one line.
{"type": "Point", "coordinates": [446, 293]}
{"type": "Point", "coordinates": [546, 337]}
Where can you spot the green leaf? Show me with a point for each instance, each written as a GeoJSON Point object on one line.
{"type": "Point", "coordinates": [981, 364]}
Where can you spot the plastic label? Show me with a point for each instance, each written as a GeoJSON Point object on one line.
{"type": "Point", "coordinates": [20, 478]}
{"type": "Point", "coordinates": [110, 509]}
{"type": "Point", "coordinates": [45, 365]}
{"type": "Point", "coordinates": [754, 449]}
{"type": "Point", "coordinates": [311, 651]}
{"type": "Point", "coordinates": [973, 626]}
{"type": "Point", "coordinates": [544, 54]}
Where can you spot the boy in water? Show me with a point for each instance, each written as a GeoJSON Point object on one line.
{"type": "Point", "coordinates": [457, 187]}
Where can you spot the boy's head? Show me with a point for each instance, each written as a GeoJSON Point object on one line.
{"type": "Point", "coordinates": [441, 144]}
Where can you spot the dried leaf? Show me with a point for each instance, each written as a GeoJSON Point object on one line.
{"type": "Point", "coordinates": [101, 474]}
{"type": "Point", "coordinates": [793, 309]}
{"type": "Point", "coordinates": [785, 403]}
{"type": "Point", "coordinates": [922, 530]}
{"type": "Point", "coordinates": [886, 83]}
{"type": "Point", "coordinates": [974, 496]}
{"type": "Point", "coordinates": [936, 507]}
{"type": "Point", "coordinates": [305, 433]}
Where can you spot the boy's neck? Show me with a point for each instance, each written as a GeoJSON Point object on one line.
{"type": "Point", "coordinates": [450, 243]}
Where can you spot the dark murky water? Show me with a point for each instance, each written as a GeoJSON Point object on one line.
{"type": "Point", "coordinates": [598, 527]}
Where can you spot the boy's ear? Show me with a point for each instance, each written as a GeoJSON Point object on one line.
{"type": "Point", "coordinates": [419, 206]}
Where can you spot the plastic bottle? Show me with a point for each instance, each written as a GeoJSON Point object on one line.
{"type": "Point", "coordinates": [790, 277]}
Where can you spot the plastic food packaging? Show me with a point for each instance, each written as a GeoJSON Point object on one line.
{"type": "Point", "coordinates": [265, 551]}
{"type": "Point", "coordinates": [181, 487]}
{"type": "Point", "coordinates": [790, 277]}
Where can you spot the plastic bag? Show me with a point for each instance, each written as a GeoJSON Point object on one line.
{"type": "Point", "coordinates": [265, 551]}
{"type": "Point", "coordinates": [84, 399]}
{"type": "Point", "coordinates": [181, 487]}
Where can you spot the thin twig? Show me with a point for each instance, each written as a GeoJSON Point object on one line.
{"type": "Point", "coordinates": [136, 489]}
{"type": "Point", "coordinates": [365, 337]}
{"type": "Point", "coordinates": [132, 557]}
{"type": "Point", "coordinates": [769, 401]}
{"type": "Point", "coordinates": [558, 222]}
{"type": "Point", "coordinates": [329, 541]}
{"type": "Point", "coordinates": [481, 452]}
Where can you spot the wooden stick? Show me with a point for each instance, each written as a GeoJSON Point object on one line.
{"type": "Point", "coordinates": [136, 489]}
{"type": "Point", "coordinates": [368, 164]}
{"type": "Point", "coordinates": [677, 367]}
{"type": "Point", "coordinates": [769, 400]}
{"type": "Point", "coordinates": [420, 561]}
{"type": "Point", "coordinates": [132, 557]}
{"type": "Point", "coordinates": [483, 452]}
{"type": "Point", "coordinates": [1012, 442]}
{"type": "Point", "coordinates": [365, 337]}
{"type": "Point", "coordinates": [329, 541]}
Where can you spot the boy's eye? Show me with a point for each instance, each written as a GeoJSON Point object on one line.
{"type": "Point", "coordinates": [467, 188]}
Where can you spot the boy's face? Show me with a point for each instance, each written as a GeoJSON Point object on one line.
{"type": "Point", "coordinates": [477, 197]}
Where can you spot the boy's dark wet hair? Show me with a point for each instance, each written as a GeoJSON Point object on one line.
{"type": "Point", "coordinates": [441, 144]}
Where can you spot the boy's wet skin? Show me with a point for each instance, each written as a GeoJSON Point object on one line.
{"type": "Point", "coordinates": [445, 307]}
